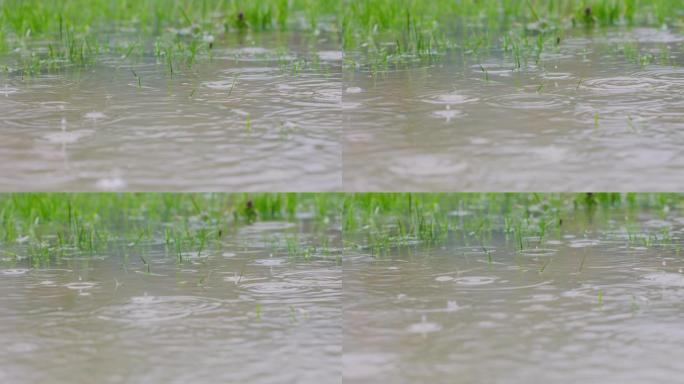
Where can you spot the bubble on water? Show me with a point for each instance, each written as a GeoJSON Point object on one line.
{"type": "Point", "coordinates": [228, 254]}
{"type": "Point", "coordinates": [442, 279]}
{"type": "Point", "coordinates": [353, 90]}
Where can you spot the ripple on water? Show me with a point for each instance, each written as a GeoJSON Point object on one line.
{"type": "Point", "coordinates": [449, 99]}
{"type": "Point", "coordinates": [252, 73]}
{"type": "Point", "coordinates": [144, 309]}
{"type": "Point", "coordinates": [557, 75]}
{"type": "Point", "coordinates": [665, 279]}
{"type": "Point", "coordinates": [266, 226]}
{"type": "Point", "coordinates": [269, 262]}
{"type": "Point", "coordinates": [673, 75]}
{"type": "Point", "coordinates": [424, 327]}
{"type": "Point", "coordinates": [275, 287]}
{"type": "Point", "coordinates": [624, 84]}
{"type": "Point", "coordinates": [111, 184]}
{"type": "Point", "coordinates": [537, 252]}
{"type": "Point", "coordinates": [495, 69]}
{"type": "Point", "coordinates": [526, 100]}
{"type": "Point", "coordinates": [448, 114]}
{"type": "Point", "coordinates": [94, 116]}
{"type": "Point", "coordinates": [475, 280]}
{"type": "Point", "coordinates": [330, 55]}
{"type": "Point", "coordinates": [426, 165]}
{"type": "Point", "coordinates": [14, 272]}
{"type": "Point", "coordinates": [81, 285]}
{"type": "Point", "coordinates": [583, 243]}
{"type": "Point", "coordinates": [68, 137]}
{"type": "Point", "coordinates": [7, 90]}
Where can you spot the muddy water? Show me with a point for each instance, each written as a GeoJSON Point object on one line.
{"type": "Point", "coordinates": [242, 312]}
{"type": "Point", "coordinates": [257, 116]}
{"type": "Point", "coordinates": [584, 306]}
{"type": "Point", "coordinates": [586, 117]}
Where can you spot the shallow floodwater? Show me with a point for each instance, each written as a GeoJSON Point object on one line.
{"type": "Point", "coordinates": [261, 115]}
{"type": "Point", "coordinates": [586, 117]}
{"type": "Point", "coordinates": [584, 306]}
{"type": "Point", "coordinates": [242, 312]}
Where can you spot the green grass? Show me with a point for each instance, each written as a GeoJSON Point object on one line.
{"type": "Point", "coordinates": [43, 227]}
{"type": "Point", "coordinates": [381, 222]}
{"type": "Point", "coordinates": [53, 34]}
{"type": "Point", "coordinates": [394, 30]}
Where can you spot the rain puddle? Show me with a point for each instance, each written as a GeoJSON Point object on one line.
{"type": "Point", "coordinates": [593, 306]}
{"type": "Point", "coordinates": [599, 111]}
{"type": "Point", "coordinates": [243, 311]}
{"type": "Point", "coordinates": [262, 111]}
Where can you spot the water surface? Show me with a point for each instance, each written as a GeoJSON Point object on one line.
{"type": "Point", "coordinates": [242, 311]}
{"type": "Point", "coordinates": [263, 111]}
{"type": "Point", "coordinates": [586, 305]}
{"type": "Point", "coordinates": [589, 115]}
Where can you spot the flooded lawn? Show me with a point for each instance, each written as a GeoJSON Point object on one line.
{"type": "Point", "coordinates": [603, 110]}
{"type": "Point", "coordinates": [261, 111]}
{"type": "Point", "coordinates": [245, 309]}
{"type": "Point", "coordinates": [593, 302]}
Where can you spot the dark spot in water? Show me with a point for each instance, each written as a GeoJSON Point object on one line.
{"type": "Point", "coordinates": [250, 212]}
{"type": "Point", "coordinates": [241, 24]}
{"type": "Point", "coordinates": [587, 12]}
